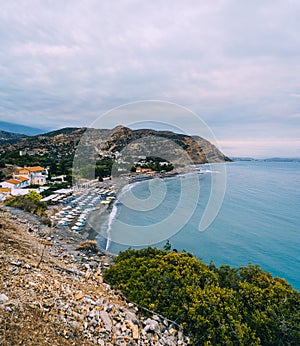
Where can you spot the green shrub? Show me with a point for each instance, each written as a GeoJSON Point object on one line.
{"type": "Point", "coordinates": [30, 203]}
{"type": "Point", "coordinates": [216, 306]}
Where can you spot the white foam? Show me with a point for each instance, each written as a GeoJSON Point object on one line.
{"type": "Point", "coordinates": [111, 218]}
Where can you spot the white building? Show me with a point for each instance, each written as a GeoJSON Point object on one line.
{"type": "Point", "coordinates": [22, 178]}
{"type": "Point", "coordinates": [33, 175]}
{"type": "Point", "coordinates": [12, 184]}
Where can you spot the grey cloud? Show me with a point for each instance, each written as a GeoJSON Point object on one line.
{"type": "Point", "coordinates": [234, 63]}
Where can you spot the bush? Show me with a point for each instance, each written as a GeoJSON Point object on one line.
{"type": "Point", "coordinates": [30, 203]}
{"type": "Point", "coordinates": [216, 306]}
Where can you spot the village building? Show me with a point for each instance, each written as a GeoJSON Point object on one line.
{"type": "Point", "coordinates": [35, 175]}
{"type": "Point", "coordinates": [143, 170]}
{"type": "Point", "coordinates": [22, 179]}
{"type": "Point", "coordinates": [25, 177]}
{"type": "Point", "coordinates": [4, 193]}
{"type": "Point", "coordinates": [12, 184]}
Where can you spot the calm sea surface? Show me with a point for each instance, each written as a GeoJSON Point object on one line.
{"type": "Point", "coordinates": [258, 222]}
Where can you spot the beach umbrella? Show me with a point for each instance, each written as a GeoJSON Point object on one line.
{"type": "Point", "coordinates": [64, 223]}
{"type": "Point", "coordinates": [64, 219]}
{"type": "Point", "coordinates": [80, 223]}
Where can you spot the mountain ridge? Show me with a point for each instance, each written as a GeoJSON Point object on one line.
{"type": "Point", "coordinates": [6, 136]}
{"type": "Point", "coordinates": [20, 129]}
{"type": "Point", "coordinates": [64, 142]}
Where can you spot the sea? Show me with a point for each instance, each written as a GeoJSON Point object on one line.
{"type": "Point", "coordinates": [258, 220]}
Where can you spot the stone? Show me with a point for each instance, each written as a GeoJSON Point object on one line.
{"type": "Point", "coordinates": [145, 330]}
{"type": "Point", "coordinates": [106, 320]}
{"type": "Point", "coordinates": [172, 331]}
{"type": "Point", "coordinates": [76, 325]}
{"type": "Point", "coordinates": [135, 332]}
{"type": "Point", "coordinates": [79, 295]}
{"type": "Point", "coordinates": [16, 263]}
{"type": "Point", "coordinates": [3, 298]}
{"type": "Point", "coordinates": [94, 322]}
{"type": "Point", "coordinates": [153, 325]}
{"type": "Point", "coordinates": [123, 327]}
{"type": "Point", "coordinates": [131, 316]}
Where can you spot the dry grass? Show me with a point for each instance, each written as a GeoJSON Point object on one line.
{"type": "Point", "coordinates": [88, 245]}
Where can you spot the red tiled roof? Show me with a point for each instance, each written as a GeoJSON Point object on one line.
{"type": "Point", "coordinates": [12, 181]}
{"type": "Point", "coordinates": [35, 169]}
{"type": "Point", "coordinates": [30, 169]}
{"type": "Point", "coordinates": [16, 172]}
{"type": "Point", "coordinates": [22, 178]}
{"type": "Point", "coordinates": [5, 189]}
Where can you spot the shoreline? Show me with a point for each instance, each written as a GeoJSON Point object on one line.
{"type": "Point", "coordinates": [99, 217]}
{"type": "Point", "coordinates": [118, 184]}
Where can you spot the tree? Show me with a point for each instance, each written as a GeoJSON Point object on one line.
{"type": "Point", "coordinates": [167, 246]}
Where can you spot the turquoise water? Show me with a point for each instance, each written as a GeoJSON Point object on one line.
{"type": "Point", "coordinates": [258, 222]}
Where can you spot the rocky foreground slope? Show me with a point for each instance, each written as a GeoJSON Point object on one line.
{"type": "Point", "coordinates": [53, 294]}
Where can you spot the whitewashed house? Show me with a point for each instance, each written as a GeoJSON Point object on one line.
{"type": "Point", "coordinates": [34, 175]}
{"type": "Point", "coordinates": [11, 184]}
{"type": "Point", "coordinates": [22, 179]}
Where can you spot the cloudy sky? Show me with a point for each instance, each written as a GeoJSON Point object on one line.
{"type": "Point", "coordinates": [236, 64]}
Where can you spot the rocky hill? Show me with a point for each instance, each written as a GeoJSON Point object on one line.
{"type": "Point", "coordinates": [175, 147]}
{"type": "Point", "coordinates": [53, 294]}
{"type": "Point", "coordinates": [64, 142]}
